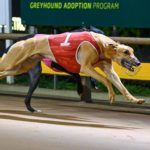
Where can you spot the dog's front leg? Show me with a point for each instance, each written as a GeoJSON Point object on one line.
{"type": "Point", "coordinates": [114, 78]}
{"type": "Point", "coordinates": [87, 56]}
{"type": "Point", "coordinates": [89, 70]}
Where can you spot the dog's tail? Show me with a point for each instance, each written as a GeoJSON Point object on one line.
{"type": "Point", "coordinates": [4, 51]}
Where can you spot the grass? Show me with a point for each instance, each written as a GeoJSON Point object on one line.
{"type": "Point", "coordinates": [68, 83]}
{"type": "Point", "coordinates": [139, 90]}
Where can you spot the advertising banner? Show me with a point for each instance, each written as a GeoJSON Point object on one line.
{"type": "Point", "coordinates": [123, 13]}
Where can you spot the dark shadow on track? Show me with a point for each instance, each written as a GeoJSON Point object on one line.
{"type": "Point", "coordinates": [42, 115]}
{"type": "Point", "coordinates": [60, 119]}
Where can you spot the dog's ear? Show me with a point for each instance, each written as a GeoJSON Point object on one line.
{"type": "Point", "coordinates": [113, 46]}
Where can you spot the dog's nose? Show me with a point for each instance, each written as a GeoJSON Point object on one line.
{"type": "Point", "coordinates": [137, 62]}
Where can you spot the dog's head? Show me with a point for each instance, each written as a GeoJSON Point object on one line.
{"type": "Point", "coordinates": [124, 56]}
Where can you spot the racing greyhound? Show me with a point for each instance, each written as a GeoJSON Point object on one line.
{"type": "Point", "coordinates": [76, 52]}
{"type": "Point", "coordinates": [35, 72]}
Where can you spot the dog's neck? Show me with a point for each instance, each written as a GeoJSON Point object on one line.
{"type": "Point", "coordinates": [105, 51]}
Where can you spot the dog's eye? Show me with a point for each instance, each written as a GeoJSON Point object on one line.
{"type": "Point", "coordinates": [126, 52]}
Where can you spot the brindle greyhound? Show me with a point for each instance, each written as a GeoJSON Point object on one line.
{"type": "Point", "coordinates": [35, 72]}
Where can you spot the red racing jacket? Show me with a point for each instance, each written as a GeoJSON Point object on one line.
{"type": "Point", "coordinates": [65, 48]}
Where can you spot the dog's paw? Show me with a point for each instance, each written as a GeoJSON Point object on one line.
{"type": "Point", "coordinates": [112, 98]}
{"type": "Point", "coordinates": [138, 101]}
{"type": "Point", "coordinates": [38, 111]}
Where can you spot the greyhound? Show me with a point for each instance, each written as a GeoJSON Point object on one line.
{"type": "Point", "coordinates": [35, 72]}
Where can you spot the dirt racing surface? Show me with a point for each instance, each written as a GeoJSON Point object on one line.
{"type": "Point", "coordinates": [64, 125]}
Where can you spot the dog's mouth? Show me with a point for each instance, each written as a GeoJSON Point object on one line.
{"type": "Point", "coordinates": [130, 65]}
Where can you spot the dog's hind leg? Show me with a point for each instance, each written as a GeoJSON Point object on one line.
{"type": "Point", "coordinates": [34, 75]}
{"type": "Point", "coordinates": [20, 58]}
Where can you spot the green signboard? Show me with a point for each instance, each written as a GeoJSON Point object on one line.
{"type": "Point", "coordinates": [123, 13]}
